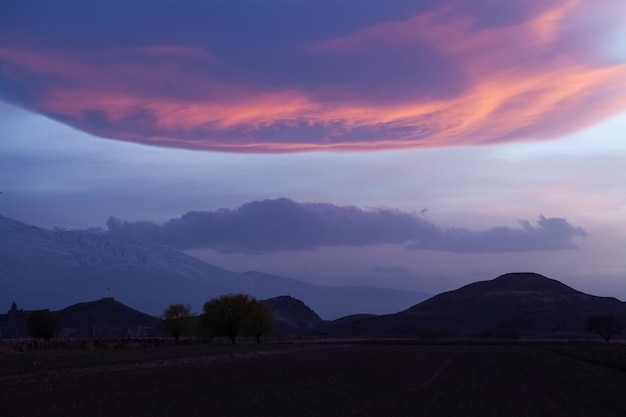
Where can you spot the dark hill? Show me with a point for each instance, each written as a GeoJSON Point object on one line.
{"type": "Point", "coordinates": [102, 318]}
{"type": "Point", "coordinates": [512, 305]}
{"type": "Point", "coordinates": [292, 316]}
{"type": "Point", "coordinates": [523, 282]}
{"type": "Point", "coordinates": [105, 318]}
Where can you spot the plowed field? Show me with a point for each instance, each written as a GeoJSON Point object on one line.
{"type": "Point", "coordinates": [381, 380]}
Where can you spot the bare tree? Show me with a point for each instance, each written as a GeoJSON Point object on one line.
{"type": "Point", "coordinates": [604, 325]}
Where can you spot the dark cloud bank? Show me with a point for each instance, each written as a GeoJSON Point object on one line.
{"type": "Point", "coordinates": [285, 225]}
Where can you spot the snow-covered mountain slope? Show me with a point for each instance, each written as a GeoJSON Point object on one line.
{"type": "Point", "coordinates": [42, 268]}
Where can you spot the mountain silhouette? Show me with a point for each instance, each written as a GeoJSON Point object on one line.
{"type": "Point", "coordinates": [292, 316]}
{"type": "Point", "coordinates": [512, 305]}
{"type": "Point", "coordinates": [107, 317]}
{"type": "Point", "coordinates": [41, 268]}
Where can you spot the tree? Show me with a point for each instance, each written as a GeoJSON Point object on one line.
{"type": "Point", "coordinates": [226, 315]}
{"type": "Point", "coordinates": [176, 319]}
{"type": "Point", "coordinates": [44, 324]}
{"type": "Point", "coordinates": [235, 314]}
{"type": "Point", "coordinates": [604, 325]}
{"type": "Point", "coordinates": [261, 320]}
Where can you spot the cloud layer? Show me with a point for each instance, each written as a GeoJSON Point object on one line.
{"type": "Point", "coordinates": [280, 76]}
{"type": "Point", "coordinates": [284, 225]}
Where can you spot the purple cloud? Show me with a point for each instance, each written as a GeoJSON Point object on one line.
{"type": "Point", "coordinates": [285, 225]}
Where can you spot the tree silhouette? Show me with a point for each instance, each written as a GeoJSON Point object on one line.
{"type": "Point", "coordinates": [260, 321]}
{"type": "Point", "coordinates": [235, 314]}
{"type": "Point", "coordinates": [176, 319]}
{"type": "Point", "coordinates": [604, 325]}
{"type": "Point", "coordinates": [43, 324]}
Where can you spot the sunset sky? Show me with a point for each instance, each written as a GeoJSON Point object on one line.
{"type": "Point", "coordinates": [419, 145]}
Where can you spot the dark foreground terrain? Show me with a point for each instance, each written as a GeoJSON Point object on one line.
{"type": "Point", "coordinates": [367, 379]}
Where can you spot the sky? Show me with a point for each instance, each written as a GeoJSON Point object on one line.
{"type": "Point", "coordinates": [416, 145]}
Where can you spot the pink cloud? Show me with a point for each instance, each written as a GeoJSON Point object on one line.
{"type": "Point", "coordinates": [521, 81]}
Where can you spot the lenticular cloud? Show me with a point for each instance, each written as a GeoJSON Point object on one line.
{"type": "Point", "coordinates": [291, 77]}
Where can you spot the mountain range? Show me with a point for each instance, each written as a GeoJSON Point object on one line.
{"type": "Point", "coordinates": [517, 305]}
{"type": "Point", "coordinates": [42, 268]}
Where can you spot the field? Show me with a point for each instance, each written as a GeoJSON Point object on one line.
{"type": "Point", "coordinates": [319, 379]}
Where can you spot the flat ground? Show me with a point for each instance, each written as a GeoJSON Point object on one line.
{"type": "Point", "coordinates": [369, 379]}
